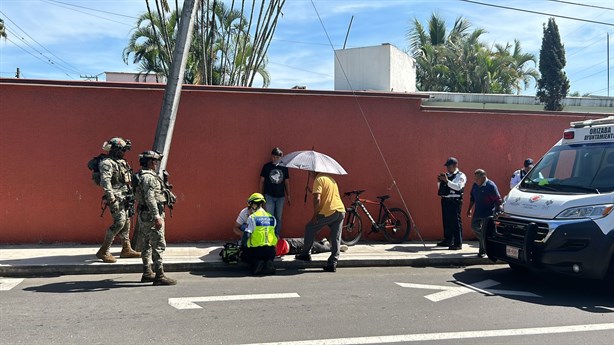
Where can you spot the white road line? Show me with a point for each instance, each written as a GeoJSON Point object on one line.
{"type": "Point", "coordinates": [453, 291]}
{"type": "Point", "coordinates": [190, 302]}
{"type": "Point", "coordinates": [448, 291]}
{"type": "Point", "coordinates": [9, 283]}
{"type": "Point", "coordinates": [450, 335]}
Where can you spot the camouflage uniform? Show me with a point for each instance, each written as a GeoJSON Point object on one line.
{"type": "Point", "coordinates": [151, 198]}
{"type": "Point", "coordinates": [115, 179]}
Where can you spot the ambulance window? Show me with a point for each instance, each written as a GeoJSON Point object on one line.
{"type": "Point", "coordinates": [564, 168]}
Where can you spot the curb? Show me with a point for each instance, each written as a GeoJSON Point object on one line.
{"type": "Point", "coordinates": [102, 268]}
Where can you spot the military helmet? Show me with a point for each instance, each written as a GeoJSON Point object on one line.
{"type": "Point", "coordinates": [147, 156]}
{"type": "Point", "coordinates": [117, 143]}
{"type": "Point", "coordinates": [256, 197]}
{"type": "Point", "coordinates": [151, 155]}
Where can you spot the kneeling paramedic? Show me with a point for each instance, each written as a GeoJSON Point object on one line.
{"type": "Point", "coordinates": [151, 194]}
{"type": "Point", "coordinates": [261, 239]}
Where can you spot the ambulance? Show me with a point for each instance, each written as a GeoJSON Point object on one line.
{"type": "Point", "coordinates": [560, 218]}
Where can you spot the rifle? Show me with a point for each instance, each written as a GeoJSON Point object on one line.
{"type": "Point", "coordinates": [171, 198]}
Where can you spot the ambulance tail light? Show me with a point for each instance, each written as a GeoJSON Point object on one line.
{"type": "Point", "coordinates": [569, 135]}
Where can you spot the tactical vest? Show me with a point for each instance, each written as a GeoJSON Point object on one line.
{"type": "Point", "coordinates": [445, 190]}
{"type": "Point", "coordinates": [159, 195]}
{"type": "Point", "coordinates": [264, 232]}
{"type": "Point", "coordinates": [122, 174]}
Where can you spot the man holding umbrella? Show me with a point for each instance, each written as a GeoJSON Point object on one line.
{"type": "Point", "coordinates": [328, 209]}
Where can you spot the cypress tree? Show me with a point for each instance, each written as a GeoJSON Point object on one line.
{"type": "Point", "coordinates": [553, 85]}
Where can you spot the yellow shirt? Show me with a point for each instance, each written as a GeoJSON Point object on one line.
{"type": "Point", "coordinates": [330, 200]}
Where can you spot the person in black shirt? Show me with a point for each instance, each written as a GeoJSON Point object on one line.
{"type": "Point", "coordinates": [275, 186]}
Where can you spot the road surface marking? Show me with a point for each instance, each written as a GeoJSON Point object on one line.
{"type": "Point", "coordinates": [8, 283]}
{"type": "Point", "coordinates": [454, 291]}
{"type": "Point", "coordinates": [190, 302]}
{"type": "Point", "coordinates": [450, 335]}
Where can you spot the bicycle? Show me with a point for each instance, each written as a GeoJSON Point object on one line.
{"type": "Point", "coordinates": [393, 222]}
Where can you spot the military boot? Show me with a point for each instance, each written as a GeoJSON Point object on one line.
{"type": "Point", "coordinates": [127, 251]}
{"type": "Point", "coordinates": [161, 279]}
{"type": "Point", "coordinates": [148, 275]}
{"type": "Point", "coordinates": [104, 255]}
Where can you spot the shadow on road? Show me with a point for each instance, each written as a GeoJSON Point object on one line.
{"type": "Point", "coordinates": [553, 290]}
{"type": "Point", "coordinates": [84, 286]}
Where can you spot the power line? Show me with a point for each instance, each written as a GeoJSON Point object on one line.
{"type": "Point", "coordinates": [535, 12]}
{"type": "Point", "coordinates": [37, 57]}
{"type": "Point", "coordinates": [70, 67]}
{"type": "Point", "coordinates": [580, 49]}
{"type": "Point", "coordinates": [89, 14]}
{"type": "Point", "coordinates": [585, 5]}
{"type": "Point", "coordinates": [91, 9]}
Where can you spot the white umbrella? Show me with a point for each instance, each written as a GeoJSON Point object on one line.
{"type": "Point", "coordinates": [312, 161]}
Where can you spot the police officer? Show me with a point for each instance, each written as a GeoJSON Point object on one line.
{"type": "Point", "coordinates": [261, 238]}
{"type": "Point", "coordinates": [152, 196]}
{"type": "Point", "coordinates": [115, 180]}
{"type": "Point", "coordinates": [520, 173]}
{"type": "Point", "coordinates": [451, 187]}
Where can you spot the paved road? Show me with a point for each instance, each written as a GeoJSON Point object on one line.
{"type": "Point", "coordinates": [478, 304]}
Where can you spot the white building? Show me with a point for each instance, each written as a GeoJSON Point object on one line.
{"type": "Point", "coordinates": [377, 68]}
{"type": "Point", "coordinates": [130, 77]}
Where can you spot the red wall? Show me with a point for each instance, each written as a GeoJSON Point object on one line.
{"type": "Point", "coordinates": [223, 136]}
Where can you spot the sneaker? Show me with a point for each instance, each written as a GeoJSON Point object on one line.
{"type": "Point", "coordinates": [455, 247]}
{"type": "Point", "coordinates": [330, 268]}
{"type": "Point", "coordinates": [304, 257]}
{"type": "Point", "coordinates": [343, 248]}
{"type": "Point", "coordinates": [443, 244]}
{"type": "Point", "coordinates": [325, 242]}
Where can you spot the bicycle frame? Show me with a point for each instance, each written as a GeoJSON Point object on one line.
{"type": "Point", "coordinates": [382, 209]}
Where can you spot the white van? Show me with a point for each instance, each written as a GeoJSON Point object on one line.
{"type": "Point", "coordinates": [560, 218]}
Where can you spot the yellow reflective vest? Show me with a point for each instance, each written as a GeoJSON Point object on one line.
{"type": "Point", "coordinates": [264, 230]}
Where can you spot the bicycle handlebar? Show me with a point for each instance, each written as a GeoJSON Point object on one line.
{"type": "Point", "coordinates": [357, 192]}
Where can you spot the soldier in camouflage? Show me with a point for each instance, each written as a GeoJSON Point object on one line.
{"type": "Point", "coordinates": [115, 180]}
{"type": "Point", "coordinates": [152, 196]}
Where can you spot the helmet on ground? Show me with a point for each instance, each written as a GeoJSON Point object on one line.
{"type": "Point", "coordinates": [117, 143]}
{"type": "Point", "coordinates": [256, 197]}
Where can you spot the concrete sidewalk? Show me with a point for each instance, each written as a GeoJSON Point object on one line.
{"type": "Point", "coordinates": [66, 259]}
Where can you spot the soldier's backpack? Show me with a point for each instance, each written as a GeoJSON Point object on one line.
{"type": "Point", "coordinates": [231, 253]}
{"type": "Point", "coordinates": [93, 165]}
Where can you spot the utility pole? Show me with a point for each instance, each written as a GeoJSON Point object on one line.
{"type": "Point", "coordinates": [172, 92]}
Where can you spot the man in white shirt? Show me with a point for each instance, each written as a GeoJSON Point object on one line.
{"type": "Point", "coordinates": [451, 187]}
{"type": "Point", "coordinates": [520, 173]}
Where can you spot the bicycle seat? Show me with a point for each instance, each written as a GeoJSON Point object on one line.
{"type": "Point", "coordinates": [383, 197]}
{"type": "Point", "coordinates": [357, 192]}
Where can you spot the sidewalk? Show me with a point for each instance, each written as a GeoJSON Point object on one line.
{"type": "Point", "coordinates": [66, 259]}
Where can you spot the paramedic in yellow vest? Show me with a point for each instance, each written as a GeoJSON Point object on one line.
{"type": "Point", "coordinates": [261, 238]}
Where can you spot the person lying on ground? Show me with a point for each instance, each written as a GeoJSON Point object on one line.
{"type": "Point", "coordinates": [295, 246]}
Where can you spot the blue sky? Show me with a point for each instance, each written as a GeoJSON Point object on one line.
{"type": "Point", "coordinates": [66, 39]}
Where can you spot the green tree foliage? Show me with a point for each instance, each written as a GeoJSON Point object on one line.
{"type": "Point", "coordinates": [2, 29]}
{"type": "Point", "coordinates": [229, 44]}
{"type": "Point", "coordinates": [553, 86]}
{"type": "Point", "coordinates": [458, 61]}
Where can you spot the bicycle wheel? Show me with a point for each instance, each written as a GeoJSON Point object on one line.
{"type": "Point", "coordinates": [352, 228]}
{"type": "Point", "coordinates": [396, 225]}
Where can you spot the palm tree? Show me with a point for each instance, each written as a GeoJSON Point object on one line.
{"type": "Point", "coordinates": [458, 61]}
{"type": "Point", "coordinates": [436, 51]}
{"type": "Point", "coordinates": [222, 51]}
